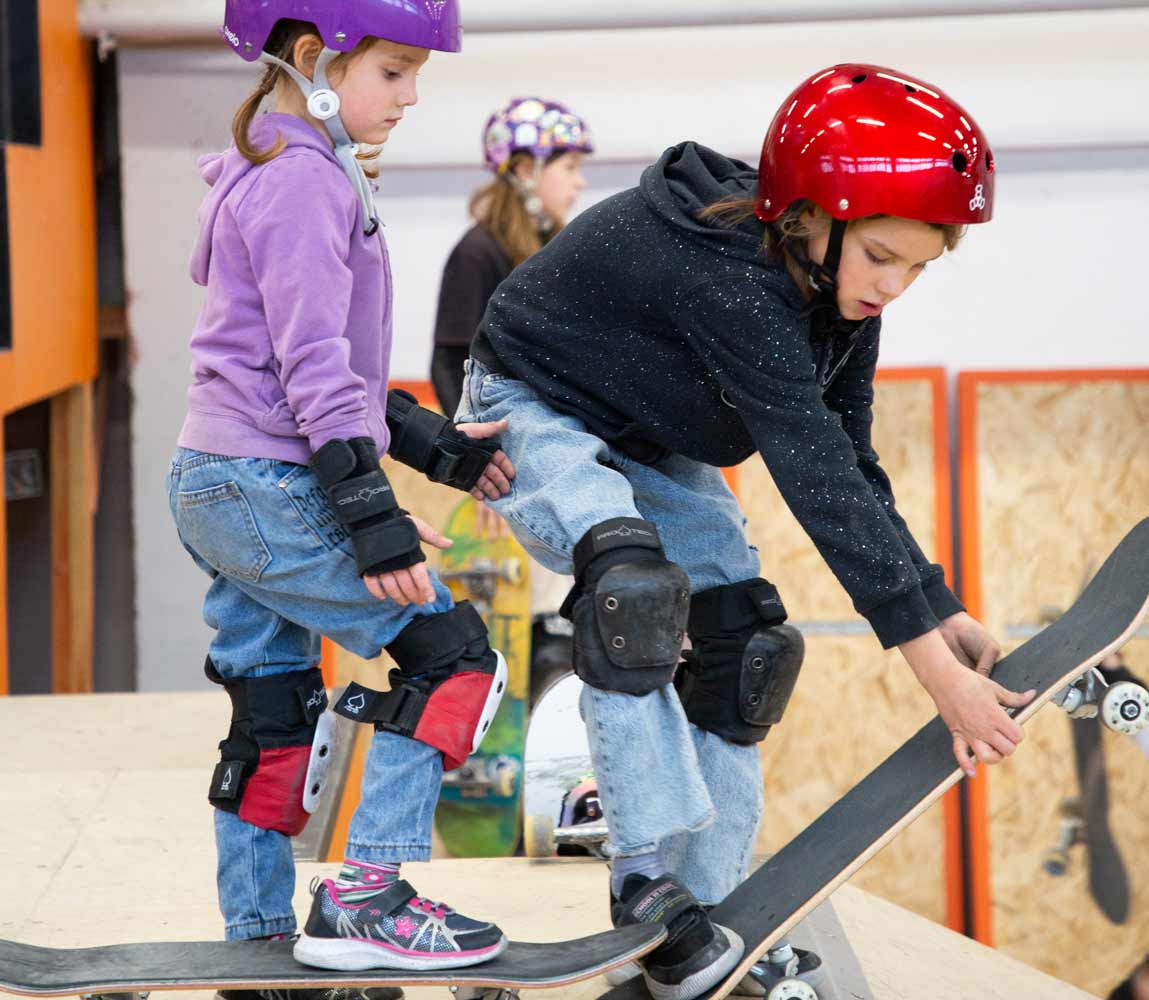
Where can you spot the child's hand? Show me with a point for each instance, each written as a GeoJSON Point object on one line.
{"type": "Point", "coordinates": [970, 703]}
{"type": "Point", "coordinates": [496, 479]}
{"type": "Point", "coordinates": [488, 524]}
{"type": "Point", "coordinates": [969, 641]}
{"type": "Point", "coordinates": [413, 584]}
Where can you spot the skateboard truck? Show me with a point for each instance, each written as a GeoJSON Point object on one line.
{"type": "Point", "coordinates": [782, 961]}
{"type": "Point", "coordinates": [1123, 706]}
{"type": "Point", "coordinates": [481, 577]}
{"type": "Point", "coordinates": [483, 993]}
{"type": "Point", "coordinates": [481, 776]}
{"type": "Point", "coordinates": [1056, 861]}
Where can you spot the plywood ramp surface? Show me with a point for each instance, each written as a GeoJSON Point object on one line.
{"type": "Point", "coordinates": [123, 851]}
{"type": "Point", "coordinates": [854, 704]}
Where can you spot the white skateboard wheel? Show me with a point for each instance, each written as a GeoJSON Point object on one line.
{"type": "Point", "coordinates": [792, 989]}
{"type": "Point", "coordinates": [1125, 708]}
{"type": "Point", "coordinates": [539, 836]}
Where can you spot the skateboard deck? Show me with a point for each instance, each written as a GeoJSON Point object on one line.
{"type": "Point", "coordinates": [34, 971]}
{"type": "Point", "coordinates": [840, 841]}
{"type": "Point", "coordinates": [1085, 818]}
{"type": "Point", "coordinates": [561, 810]}
{"type": "Point", "coordinates": [480, 804]}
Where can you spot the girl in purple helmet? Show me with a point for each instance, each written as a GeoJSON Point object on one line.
{"type": "Point", "coordinates": [278, 494]}
{"type": "Point", "coordinates": [536, 149]}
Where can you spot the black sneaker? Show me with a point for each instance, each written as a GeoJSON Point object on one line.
{"type": "Point", "coordinates": [336, 993]}
{"type": "Point", "coordinates": [392, 928]}
{"type": "Point", "coordinates": [696, 955]}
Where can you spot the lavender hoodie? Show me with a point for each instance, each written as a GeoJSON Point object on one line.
{"type": "Point", "coordinates": [293, 343]}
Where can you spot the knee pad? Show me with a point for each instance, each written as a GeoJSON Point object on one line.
{"type": "Point", "coordinates": [744, 662]}
{"type": "Point", "coordinates": [628, 606]}
{"type": "Point", "coordinates": [445, 690]}
{"type": "Point", "coordinates": [274, 761]}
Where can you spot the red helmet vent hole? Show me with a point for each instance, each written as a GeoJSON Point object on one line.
{"type": "Point", "coordinates": [859, 78]}
{"type": "Point", "coordinates": [960, 162]}
{"type": "Point", "coordinates": [989, 161]}
{"type": "Point", "coordinates": [911, 88]}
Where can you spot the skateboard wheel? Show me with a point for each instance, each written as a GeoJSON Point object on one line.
{"type": "Point", "coordinates": [792, 989]}
{"type": "Point", "coordinates": [1125, 708]}
{"type": "Point", "coordinates": [539, 836]}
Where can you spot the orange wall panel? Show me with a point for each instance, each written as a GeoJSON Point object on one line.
{"type": "Point", "coordinates": [51, 211]}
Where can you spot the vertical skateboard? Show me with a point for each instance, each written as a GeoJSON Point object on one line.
{"type": "Point", "coordinates": [480, 804]}
{"type": "Point", "coordinates": [561, 809]}
{"type": "Point", "coordinates": [1085, 816]}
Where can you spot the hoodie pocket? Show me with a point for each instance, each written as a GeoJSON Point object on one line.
{"type": "Point", "coordinates": [279, 420]}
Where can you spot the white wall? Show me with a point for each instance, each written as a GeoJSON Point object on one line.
{"type": "Point", "coordinates": [1052, 282]}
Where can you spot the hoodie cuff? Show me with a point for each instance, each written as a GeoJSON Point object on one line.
{"type": "Point", "coordinates": [902, 618]}
{"type": "Point", "coordinates": [942, 601]}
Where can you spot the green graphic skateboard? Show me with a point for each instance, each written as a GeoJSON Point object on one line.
{"type": "Point", "coordinates": [480, 803]}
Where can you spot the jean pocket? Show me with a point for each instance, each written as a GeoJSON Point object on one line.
{"type": "Point", "coordinates": [217, 523]}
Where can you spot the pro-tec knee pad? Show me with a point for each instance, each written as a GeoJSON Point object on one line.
{"type": "Point", "coordinates": [266, 774]}
{"type": "Point", "coordinates": [628, 606]}
{"type": "Point", "coordinates": [446, 689]}
{"type": "Point", "coordinates": [739, 674]}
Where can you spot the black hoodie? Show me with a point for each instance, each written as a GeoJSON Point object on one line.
{"type": "Point", "coordinates": [668, 335]}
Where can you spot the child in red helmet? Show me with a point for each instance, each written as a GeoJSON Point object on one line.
{"type": "Point", "coordinates": [681, 326]}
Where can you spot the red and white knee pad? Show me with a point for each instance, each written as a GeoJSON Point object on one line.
{"type": "Point", "coordinates": [273, 763]}
{"type": "Point", "coordinates": [446, 689]}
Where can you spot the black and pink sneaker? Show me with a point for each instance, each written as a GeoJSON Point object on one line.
{"type": "Point", "coordinates": [391, 928]}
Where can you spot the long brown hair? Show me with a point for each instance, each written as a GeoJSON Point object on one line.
{"type": "Point", "coordinates": [281, 43]}
{"type": "Point", "coordinates": [499, 207]}
{"type": "Point", "coordinates": [786, 241]}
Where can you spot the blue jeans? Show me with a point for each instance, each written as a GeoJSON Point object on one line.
{"type": "Point", "coordinates": [283, 575]}
{"type": "Point", "coordinates": [665, 784]}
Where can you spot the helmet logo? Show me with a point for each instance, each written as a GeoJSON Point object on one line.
{"type": "Point", "coordinates": [231, 36]}
{"type": "Point", "coordinates": [977, 202]}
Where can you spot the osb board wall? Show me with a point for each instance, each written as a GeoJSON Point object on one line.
{"type": "Point", "coordinates": [854, 704]}
{"type": "Point", "coordinates": [1062, 474]}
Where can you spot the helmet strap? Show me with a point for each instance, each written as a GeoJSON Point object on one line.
{"type": "Point", "coordinates": [527, 190]}
{"type": "Point", "coordinates": [824, 276]}
{"type": "Point", "coordinates": [323, 104]}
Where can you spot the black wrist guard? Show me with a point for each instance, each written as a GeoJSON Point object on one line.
{"type": "Point", "coordinates": [430, 443]}
{"type": "Point", "coordinates": [383, 537]}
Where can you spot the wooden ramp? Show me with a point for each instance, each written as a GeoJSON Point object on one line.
{"type": "Point", "coordinates": [106, 836]}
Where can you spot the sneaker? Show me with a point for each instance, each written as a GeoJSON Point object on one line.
{"type": "Point", "coordinates": [696, 955]}
{"type": "Point", "coordinates": [335, 993]}
{"type": "Point", "coordinates": [392, 929]}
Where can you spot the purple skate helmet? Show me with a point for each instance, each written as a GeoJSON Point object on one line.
{"type": "Point", "coordinates": [343, 24]}
{"type": "Point", "coordinates": [536, 126]}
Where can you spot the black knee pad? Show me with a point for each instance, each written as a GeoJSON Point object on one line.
{"type": "Point", "coordinates": [629, 606]}
{"type": "Point", "coordinates": [740, 672]}
{"type": "Point", "coordinates": [267, 768]}
{"type": "Point", "coordinates": [446, 689]}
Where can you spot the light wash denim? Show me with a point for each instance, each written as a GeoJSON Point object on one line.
{"type": "Point", "coordinates": [282, 575]}
{"type": "Point", "coordinates": [665, 784]}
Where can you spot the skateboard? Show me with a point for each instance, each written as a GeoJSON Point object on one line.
{"type": "Point", "coordinates": [1085, 816]}
{"type": "Point", "coordinates": [250, 965]}
{"type": "Point", "coordinates": [561, 809]}
{"type": "Point", "coordinates": [480, 803]}
{"type": "Point", "coordinates": [840, 841]}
